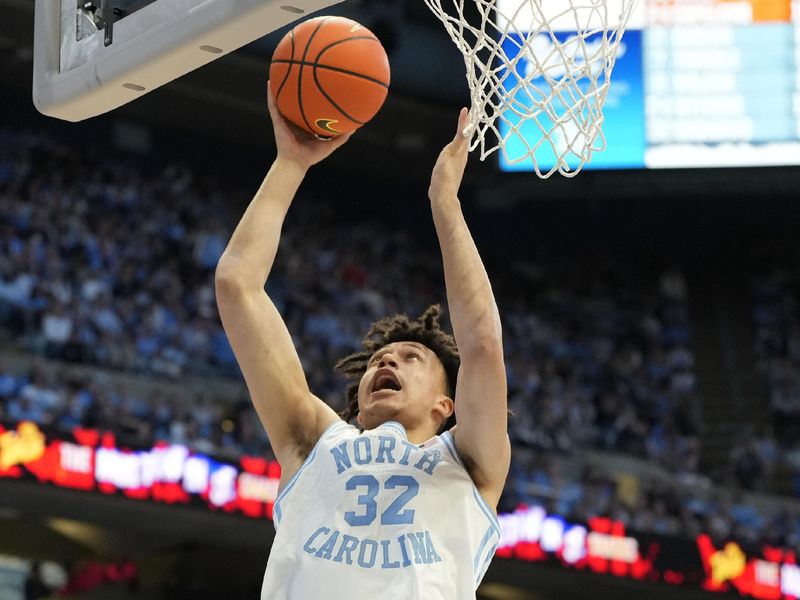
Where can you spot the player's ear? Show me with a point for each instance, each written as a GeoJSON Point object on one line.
{"type": "Point", "coordinates": [444, 406]}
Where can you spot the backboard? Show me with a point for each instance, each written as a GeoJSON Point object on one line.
{"type": "Point", "coordinates": [91, 56]}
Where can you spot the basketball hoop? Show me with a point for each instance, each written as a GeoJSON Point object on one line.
{"type": "Point", "coordinates": [539, 65]}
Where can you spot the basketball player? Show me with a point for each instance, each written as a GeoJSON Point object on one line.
{"type": "Point", "coordinates": [401, 506]}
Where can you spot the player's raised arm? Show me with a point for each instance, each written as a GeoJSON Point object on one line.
{"type": "Point", "coordinates": [293, 417]}
{"type": "Point", "coordinates": [480, 404]}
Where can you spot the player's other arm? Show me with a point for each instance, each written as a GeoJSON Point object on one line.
{"type": "Point", "coordinates": [293, 417]}
{"type": "Point", "coordinates": [480, 404]}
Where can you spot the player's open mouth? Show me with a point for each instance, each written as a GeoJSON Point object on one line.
{"type": "Point", "coordinates": [385, 380]}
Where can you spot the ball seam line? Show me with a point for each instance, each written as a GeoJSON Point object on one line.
{"type": "Point", "coordinates": [332, 68]}
{"type": "Point", "coordinates": [289, 70]}
{"type": "Point", "coordinates": [300, 76]}
{"type": "Point", "coordinates": [334, 104]}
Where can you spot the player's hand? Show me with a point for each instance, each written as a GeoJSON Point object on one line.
{"type": "Point", "coordinates": [297, 145]}
{"type": "Point", "coordinates": [449, 169]}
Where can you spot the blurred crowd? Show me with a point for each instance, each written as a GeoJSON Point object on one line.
{"type": "Point", "coordinates": [776, 315]}
{"type": "Point", "coordinates": [106, 263]}
{"type": "Point", "coordinates": [599, 355]}
{"type": "Point", "coordinates": [109, 261]}
{"type": "Point", "coordinates": [102, 262]}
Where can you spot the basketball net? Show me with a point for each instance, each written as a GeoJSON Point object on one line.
{"type": "Point", "coordinates": [538, 75]}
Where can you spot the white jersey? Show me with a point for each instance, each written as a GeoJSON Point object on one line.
{"type": "Point", "coordinates": [371, 515]}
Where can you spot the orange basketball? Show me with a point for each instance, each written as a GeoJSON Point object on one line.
{"type": "Point", "coordinates": [329, 75]}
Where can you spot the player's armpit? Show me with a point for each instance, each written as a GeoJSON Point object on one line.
{"type": "Point", "coordinates": [293, 417]}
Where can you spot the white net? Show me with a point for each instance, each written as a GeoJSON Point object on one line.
{"type": "Point", "coordinates": [538, 73]}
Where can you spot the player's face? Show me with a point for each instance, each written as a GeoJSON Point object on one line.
{"type": "Point", "coordinates": [404, 382]}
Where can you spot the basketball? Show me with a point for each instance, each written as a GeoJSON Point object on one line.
{"type": "Point", "coordinates": [330, 75]}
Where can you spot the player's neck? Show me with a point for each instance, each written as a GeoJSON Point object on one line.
{"type": "Point", "coordinates": [420, 434]}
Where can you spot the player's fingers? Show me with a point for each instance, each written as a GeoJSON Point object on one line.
{"type": "Point", "coordinates": [272, 106]}
{"type": "Point", "coordinates": [341, 140]}
{"type": "Point", "coordinates": [270, 97]}
{"type": "Point", "coordinates": [461, 141]}
{"type": "Point", "coordinates": [463, 118]}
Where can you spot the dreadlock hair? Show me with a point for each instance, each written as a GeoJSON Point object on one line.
{"type": "Point", "coordinates": [425, 330]}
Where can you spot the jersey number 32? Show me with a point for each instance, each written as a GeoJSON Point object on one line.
{"type": "Point", "coordinates": [395, 513]}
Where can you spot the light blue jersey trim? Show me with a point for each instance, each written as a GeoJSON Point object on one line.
{"type": "Point", "coordinates": [478, 567]}
{"type": "Point", "coordinates": [450, 444]}
{"type": "Point", "coordinates": [276, 508]}
{"type": "Point", "coordinates": [397, 427]}
{"type": "Point", "coordinates": [486, 510]}
{"type": "Point", "coordinates": [486, 564]}
{"type": "Point", "coordinates": [476, 561]}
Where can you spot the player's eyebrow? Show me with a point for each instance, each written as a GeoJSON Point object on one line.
{"type": "Point", "coordinates": [415, 345]}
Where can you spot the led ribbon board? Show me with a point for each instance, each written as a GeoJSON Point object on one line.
{"type": "Point", "coordinates": [95, 461]}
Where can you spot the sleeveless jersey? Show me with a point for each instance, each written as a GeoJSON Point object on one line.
{"type": "Point", "coordinates": [371, 515]}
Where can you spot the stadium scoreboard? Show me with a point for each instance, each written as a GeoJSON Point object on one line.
{"type": "Point", "coordinates": [700, 83]}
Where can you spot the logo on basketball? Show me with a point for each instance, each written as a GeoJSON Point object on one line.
{"type": "Point", "coordinates": [327, 125]}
